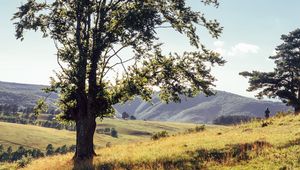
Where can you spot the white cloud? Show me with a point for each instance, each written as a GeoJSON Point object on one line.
{"type": "Point", "coordinates": [219, 43]}
{"type": "Point", "coordinates": [242, 49]}
{"type": "Point", "coordinates": [239, 49]}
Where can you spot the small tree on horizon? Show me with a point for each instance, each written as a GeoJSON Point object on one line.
{"type": "Point", "coordinates": [284, 81]}
{"type": "Point", "coordinates": [90, 36]}
{"type": "Point", "coordinates": [125, 115]}
{"type": "Point", "coordinates": [132, 117]}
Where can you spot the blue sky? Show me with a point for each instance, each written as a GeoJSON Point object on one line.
{"type": "Point", "coordinates": [252, 30]}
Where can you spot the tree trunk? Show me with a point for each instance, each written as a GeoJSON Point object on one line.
{"type": "Point", "coordinates": [85, 129]}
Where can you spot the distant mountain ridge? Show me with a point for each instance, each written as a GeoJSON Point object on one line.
{"type": "Point", "coordinates": [199, 109]}
{"type": "Point", "coordinates": [23, 95]}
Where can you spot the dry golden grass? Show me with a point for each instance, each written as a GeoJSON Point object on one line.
{"type": "Point", "coordinates": [282, 137]}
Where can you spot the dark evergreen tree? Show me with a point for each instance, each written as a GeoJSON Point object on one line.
{"type": "Point", "coordinates": [114, 133]}
{"type": "Point", "coordinates": [125, 115]}
{"type": "Point", "coordinates": [18, 154]}
{"type": "Point", "coordinates": [132, 117]}
{"type": "Point", "coordinates": [49, 150]}
{"type": "Point", "coordinates": [89, 36]}
{"type": "Point", "coordinates": [36, 153]}
{"type": "Point", "coordinates": [64, 149]}
{"type": "Point", "coordinates": [4, 157]}
{"type": "Point", "coordinates": [57, 150]}
{"type": "Point", "coordinates": [284, 81]}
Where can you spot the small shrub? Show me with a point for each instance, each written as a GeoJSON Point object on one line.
{"type": "Point", "coordinates": [114, 133]}
{"type": "Point", "coordinates": [159, 135]}
{"type": "Point", "coordinates": [196, 129]}
{"type": "Point", "coordinates": [265, 123]}
{"type": "Point", "coordinates": [200, 128]}
{"type": "Point", "coordinates": [63, 149]}
{"type": "Point", "coordinates": [132, 117]}
{"type": "Point", "coordinates": [23, 162]}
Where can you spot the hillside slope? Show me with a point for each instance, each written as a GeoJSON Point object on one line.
{"type": "Point", "coordinates": [30, 136]}
{"type": "Point", "coordinates": [22, 95]}
{"type": "Point", "coordinates": [200, 109]}
{"type": "Point", "coordinates": [248, 146]}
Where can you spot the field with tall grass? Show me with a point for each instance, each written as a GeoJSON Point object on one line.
{"type": "Point", "coordinates": [30, 136]}
{"type": "Point", "coordinates": [245, 146]}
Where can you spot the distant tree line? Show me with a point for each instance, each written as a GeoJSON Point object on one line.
{"type": "Point", "coordinates": [22, 118]}
{"type": "Point", "coordinates": [50, 150]}
{"type": "Point", "coordinates": [8, 155]}
{"type": "Point", "coordinates": [126, 116]}
{"type": "Point", "coordinates": [9, 108]}
{"type": "Point", "coordinates": [108, 131]}
{"type": "Point", "coordinates": [13, 109]}
{"type": "Point", "coordinates": [232, 119]}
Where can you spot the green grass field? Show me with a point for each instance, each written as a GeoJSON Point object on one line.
{"type": "Point", "coordinates": [247, 146]}
{"type": "Point", "coordinates": [30, 136]}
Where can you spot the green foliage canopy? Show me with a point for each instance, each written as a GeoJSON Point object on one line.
{"type": "Point", "coordinates": [284, 80]}
{"type": "Point", "coordinates": [89, 34]}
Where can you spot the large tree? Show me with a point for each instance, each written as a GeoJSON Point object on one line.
{"type": "Point", "coordinates": [284, 81]}
{"type": "Point", "coordinates": [89, 36]}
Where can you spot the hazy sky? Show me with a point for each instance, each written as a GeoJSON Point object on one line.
{"type": "Point", "coordinates": [252, 30]}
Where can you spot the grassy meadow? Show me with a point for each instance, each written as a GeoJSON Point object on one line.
{"type": "Point", "coordinates": [30, 136]}
{"type": "Point", "coordinates": [246, 146]}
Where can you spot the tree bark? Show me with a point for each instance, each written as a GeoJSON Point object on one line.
{"type": "Point", "coordinates": [85, 129]}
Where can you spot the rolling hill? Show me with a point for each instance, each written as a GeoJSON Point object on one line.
{"type": "Point", "coordinates": [30, 136]}
{"type": "Point", "coordinates": [35, 137]}
{"type": "Point", "coordinates": [23, 95]}
{"type": "Point", "coordinates": [200, 109]}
